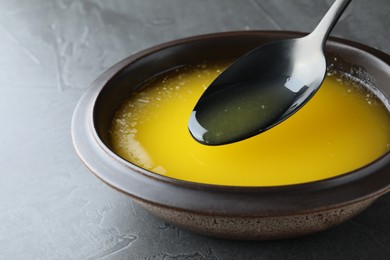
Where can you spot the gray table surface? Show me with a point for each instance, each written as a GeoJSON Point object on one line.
{"type": "Point", "coordinates": [51, 207]}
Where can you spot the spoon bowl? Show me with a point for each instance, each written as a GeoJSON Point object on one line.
{"type": "Point", "coordinates": [237, 107]}
{"type": "Point", "coordinates": [263, 87]}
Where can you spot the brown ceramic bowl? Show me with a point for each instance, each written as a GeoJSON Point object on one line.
{"type": "Point", "coordinates": [228, 211]}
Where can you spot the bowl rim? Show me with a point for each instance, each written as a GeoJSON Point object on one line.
{"type": "Point", "coordinates": [363, 183]}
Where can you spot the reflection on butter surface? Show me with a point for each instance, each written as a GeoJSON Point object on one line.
{"type": "Point", "coordinates": [341, 129]}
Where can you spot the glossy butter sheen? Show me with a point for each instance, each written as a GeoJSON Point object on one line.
{"type": "Point", "coordinates": [342, 128]}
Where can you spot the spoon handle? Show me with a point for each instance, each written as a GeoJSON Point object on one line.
{"type": "Point", "coordinates": [323, 29]}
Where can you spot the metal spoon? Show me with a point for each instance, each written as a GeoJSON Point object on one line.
{"type": "Point", "coordinates": [263, 87]}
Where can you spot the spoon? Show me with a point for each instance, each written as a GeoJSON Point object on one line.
{"type": "Point", "coordinates": [264, 87]}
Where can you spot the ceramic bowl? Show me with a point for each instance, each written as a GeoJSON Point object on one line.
{"type": "Point", "coordinates": [259, 213]}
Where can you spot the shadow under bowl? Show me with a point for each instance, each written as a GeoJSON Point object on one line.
{"type": "Point", "coordinates": [256, 213]}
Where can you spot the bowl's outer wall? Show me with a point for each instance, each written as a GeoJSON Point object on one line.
{"type": "Point", "coordinates": [95, 109]}
{"type": "Point", "coordinates": [259, 228]}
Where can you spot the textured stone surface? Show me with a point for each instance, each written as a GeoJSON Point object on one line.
{"type": "Point", "coordinates": [52, 207]}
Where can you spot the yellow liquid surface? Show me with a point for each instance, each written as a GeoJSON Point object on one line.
{"type": "Point", "coordinates": [342, 128]}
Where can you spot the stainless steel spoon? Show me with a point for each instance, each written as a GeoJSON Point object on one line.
{"type": "Point", "coordinates": [263, 87]}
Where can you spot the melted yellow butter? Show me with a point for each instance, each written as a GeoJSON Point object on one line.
{"type": "Point", "coordinates": [341, 129]}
